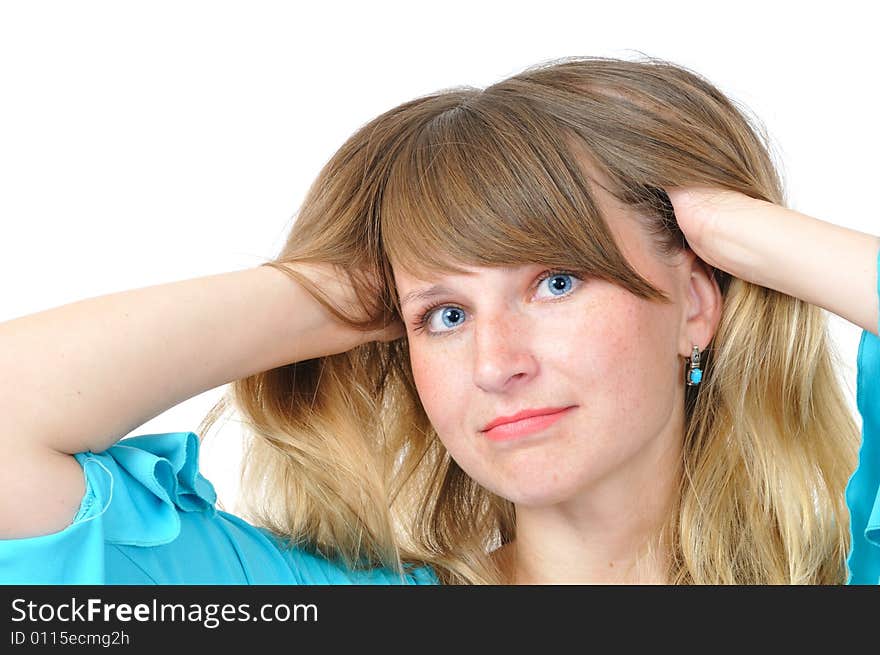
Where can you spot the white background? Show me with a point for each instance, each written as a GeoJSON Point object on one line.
{"type": "Point", "coordinates": [147, 142]}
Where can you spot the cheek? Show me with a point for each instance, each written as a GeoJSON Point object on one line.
{"type": "Point", "coordinates": [614, 346]}
{"type": "Point", "coordinates": [441, 384]}
{"type": "Point", "coordinates": [627, 365]}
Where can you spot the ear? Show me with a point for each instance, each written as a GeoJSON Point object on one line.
{"type": "Point", "coordinates": [702, 305]}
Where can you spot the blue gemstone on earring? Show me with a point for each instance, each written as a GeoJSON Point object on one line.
{"type": "Point", "coordinates": [696, 375]}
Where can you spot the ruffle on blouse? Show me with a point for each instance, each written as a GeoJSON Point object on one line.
{"type": "Point", "coordinates": [133, 493]}
{"type": "Point", "coordinates": [166, 469]}
{"type": "Point", "coordinates": [863, 488]}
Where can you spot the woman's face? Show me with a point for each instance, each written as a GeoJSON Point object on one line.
{"type": "Point", "coordinates": [502, 341]}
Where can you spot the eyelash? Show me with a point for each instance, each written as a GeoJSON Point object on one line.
{"type": "Point", "coordinates": [421, 320]}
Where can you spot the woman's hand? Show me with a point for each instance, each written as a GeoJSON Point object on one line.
{"type": "Point", "coordinates": [704, 214]}
{"type": "Point", "coordinates": [770, 245]}
{"type": "Point", "coordinates": [336, 282]}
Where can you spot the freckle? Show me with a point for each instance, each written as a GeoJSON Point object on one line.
{"type": "Point", "coordinates": [610, 565]}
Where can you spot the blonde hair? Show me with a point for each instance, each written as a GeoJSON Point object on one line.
{"type": "Point", "coordinates": [341, 458]}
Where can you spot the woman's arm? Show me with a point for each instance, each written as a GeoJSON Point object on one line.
{"type": "Point", "coordinates": [81, 376]}
{"type": "Point", "coordinates": [819, 262]}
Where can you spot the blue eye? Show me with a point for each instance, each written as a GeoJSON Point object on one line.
{"type": "Point", "coordinates": [559, 286]}
{"type": "Point", "coordinates": [555, 278]}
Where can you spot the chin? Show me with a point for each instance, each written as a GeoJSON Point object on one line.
{"type": "Point", "coordinates": [537, 493]}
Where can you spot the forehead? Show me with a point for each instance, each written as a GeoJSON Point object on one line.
{"type": "Point", "coordinates": [622, 221]}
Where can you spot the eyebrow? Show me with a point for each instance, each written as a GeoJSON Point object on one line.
{"type": "Point", "coordinates": [424, 294]}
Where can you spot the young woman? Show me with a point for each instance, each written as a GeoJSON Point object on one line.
{"type": "Point", "coordinates": [558, 330]}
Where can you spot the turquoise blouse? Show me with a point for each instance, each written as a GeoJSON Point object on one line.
{"type": "Point", "coordinates": [149, 517]}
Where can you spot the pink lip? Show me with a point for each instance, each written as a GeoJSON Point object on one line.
{"type": "Point", "coordinates": [524, 426]}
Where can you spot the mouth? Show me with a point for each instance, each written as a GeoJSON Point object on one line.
{"type": "Point", "coordinates": [525, 426]}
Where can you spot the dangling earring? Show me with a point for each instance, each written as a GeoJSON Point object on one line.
{"type": "Point", "coordinates": [694, 373]}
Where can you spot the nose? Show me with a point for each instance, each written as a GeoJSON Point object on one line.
{"type": "Point", "coordinates": [502, 351]}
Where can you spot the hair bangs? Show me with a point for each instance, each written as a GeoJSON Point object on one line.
{"type": "Point", "coordinates": [494, 183]}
